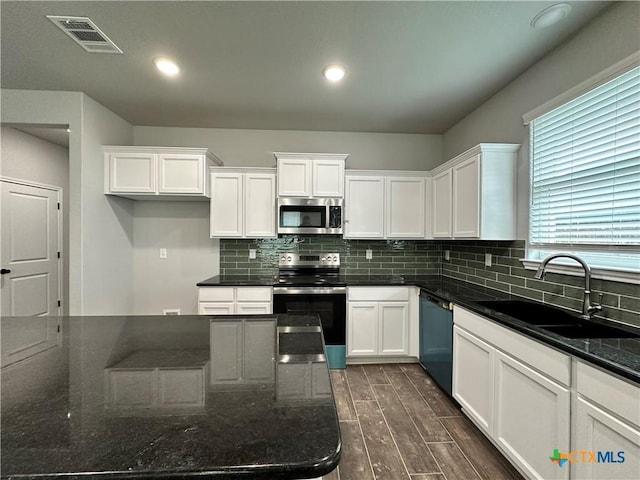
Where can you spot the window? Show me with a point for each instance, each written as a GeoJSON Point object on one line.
{"type": "Point", "coordinates": [585, 177]}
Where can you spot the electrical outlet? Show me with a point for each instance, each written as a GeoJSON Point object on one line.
{"type": "Point", "coordinates": [487, 259]}
{"type": "Point", "coordinates": [252, 254]}
{"type": "Point", "coordinates": [171, 311]}
{"type": "Point", "coordinates": [369, 254]}
{"type": "Point", "coordinates": [163, 253]}
{"type": "Point", "coordinates": [446, 255]}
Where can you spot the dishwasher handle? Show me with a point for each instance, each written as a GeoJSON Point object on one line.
{"type": "Point", "coordinates": [447, 305]}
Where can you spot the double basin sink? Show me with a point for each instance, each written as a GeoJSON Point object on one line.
{"type": "Point", "coordinates": [556, 320]}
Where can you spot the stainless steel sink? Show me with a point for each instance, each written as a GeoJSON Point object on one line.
{"type": "Point", "coordinates": [556, 320]}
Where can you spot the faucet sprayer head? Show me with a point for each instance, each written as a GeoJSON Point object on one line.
{"type": "Point", "coordinates": [539, 273]}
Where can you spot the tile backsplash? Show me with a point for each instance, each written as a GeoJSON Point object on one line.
{"type": "Point", "coordinates": [621, 301]}
{"type": "Point", "coordinates": [390, 257]}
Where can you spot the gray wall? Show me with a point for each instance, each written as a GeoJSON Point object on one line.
{"type": "Point", "coordinates": [606, 40]}
{"type": "Point", "coordinates": [183, 229]}
{"type": "Point", "coordinates": [32, 159]}
{"type": "Point", "coordinates": [375, 151]}
{"type": "Point", "coordinates": [100, 229]}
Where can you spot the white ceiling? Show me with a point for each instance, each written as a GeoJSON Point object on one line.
{"type": "Point", "coordinates": [413, 67]}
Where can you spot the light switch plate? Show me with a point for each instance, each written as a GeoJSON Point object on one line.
{"type": "Point", "coordinates": [163, 253]}
{"type": "Point", "coordinates": [487, 259]}
{"type": "Point", "coordinates": [446, 255]}
{"type": "Point", "coordinates": [369, 254]}
{"type": "Point", "coordinates": [252, 254]}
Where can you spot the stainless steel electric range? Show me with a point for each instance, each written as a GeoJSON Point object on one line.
{"type": "Point", "coordinates": [311, 284]}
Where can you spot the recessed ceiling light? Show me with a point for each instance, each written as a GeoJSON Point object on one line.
{"type": "Point", "coordinates": [334, 73]}
{"type": "Point", "coordinates": [166, 66]}
{"type": "Point", "coordinates": [551, 15]}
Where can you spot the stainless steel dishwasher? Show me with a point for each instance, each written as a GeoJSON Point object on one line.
{"type": "Point", "coordinates": [436, 338]}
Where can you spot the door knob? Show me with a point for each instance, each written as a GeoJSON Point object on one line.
{"type": "Point", "coordinates": [4, 270]}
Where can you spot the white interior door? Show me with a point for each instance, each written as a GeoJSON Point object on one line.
{"type": "Point", "coordinates": [29, 253]}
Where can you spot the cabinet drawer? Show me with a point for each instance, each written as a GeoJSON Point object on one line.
{"type": "Point", "coordinates": [379, 294]}
{"type": "Point", "coordinates": [215, 294]}
{"type": "Point", "coordinates": [551, 362]}
{"type": "Point", "coordinates": [598, 386]}
{"type": "Point", "coordinates": [253, 294]}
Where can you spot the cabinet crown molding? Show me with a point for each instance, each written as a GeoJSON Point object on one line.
{"type": "Point", "coordinates": [151, 149]}
{"type": "Point", "coordinates": [310, 156]}
{"type": "Point", "coordinates": [480, 148]}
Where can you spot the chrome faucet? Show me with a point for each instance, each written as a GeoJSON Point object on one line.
{"type": "Point", "coordinates": [588, 308]}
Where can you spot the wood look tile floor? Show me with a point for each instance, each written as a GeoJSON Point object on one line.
{"type": "Point", "coordinates": [397, 424]}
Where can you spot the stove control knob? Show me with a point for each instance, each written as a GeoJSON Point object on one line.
{"type": "Point", "coordinates": [282, 258]}
{"type": "Point", "coordinates": [289, 258]}
{"type": "Point", "coordinates": [324, 258]}
{"type": "Point", "coordinates": [333, 259]}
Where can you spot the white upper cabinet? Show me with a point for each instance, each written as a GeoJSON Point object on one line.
{"type": "Point", "coordinates": [405, 207]}
{"type": "Point", "coordinates": [442, 198]}
{"type": "Point", "coordinates": [364, 207]}
{"type": "Point", "coordinates": [385, 206]}
{"type": "Point", "coordinates": [243, 203]}
{"type": "Point", "coordinates": [157, 172]}
{"type": "Point", "coordinates": [474, 194]}
{"type": "Point", "coordinates": [310, 174]}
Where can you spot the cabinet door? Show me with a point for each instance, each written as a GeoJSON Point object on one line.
{"type": "Point", "coordinates": [181, 174]}
{"type": "Point", "coordinates": [441, 205]}
{"type": "Point", "coordinates": [181, 387]}
{"type": "Point", "coordinates": [405, 200]}
{"type": "Point", "coordinates": [225, 346]}
{"type": "Point", "coordinates": [531, 418]}
{"type": "Point", "coordinates": [259, 351]}
{"type": "Point", "coordinates": [294, 178]}
{"type": "Point", "coordinates": [259, 205]}
{"type": "Point", "coordinates": [253, 308]}
{"type": "Point", "coordinates": [362, 329]}
{"type": "Point", "coordinates": [473, 377]}
{"type": "Point", "coordinates": [466, 198]}
{"type": "Point", "coordinates": [394, 328]}
{"type": "Point", "coordinates": [132, 388]}
{"type": "Point", "coordinates": [364, 207]}
{"type": "Point", "coordinates": [599, 431]}
{"type": "Point", "coordinates": [226, 205]}
{"type": "Point", "coordinates": [132, 173]}
{"type": "Point", "coordinates": [328, 178]}
{"type": "Point", "coordinates": [215, 308]}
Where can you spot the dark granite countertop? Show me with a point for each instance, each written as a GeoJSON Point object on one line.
{"type": "Point", "coordinates": [139, 397]}
{"type": "Point", "coordinates": [618, 355]}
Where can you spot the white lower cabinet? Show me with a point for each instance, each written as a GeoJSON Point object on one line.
{"type": "Point", "coordinates": [473, 377]}
{"type": "Point", "coordinates": [378, 321]}
{"type": "Point", "coordinates": [607, 425]}
{"type": "Point", "coordinates": [234, 300]}
{"type": "Point", "coordinates": [531, 417]}
{"type": "Point", "coordinates": [516, 390]}
{"type": "Point", "coordinates": [242, 351]}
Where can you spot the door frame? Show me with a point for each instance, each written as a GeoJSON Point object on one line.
{"type": "Point", "coordinates": [59, 219]}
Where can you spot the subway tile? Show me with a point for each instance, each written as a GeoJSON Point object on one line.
{"type": "Point", "coordinates": [562, 301]}
{"type": "Point", "coordinates": [629, 303]}
{"type": "Point", "coordinates": [544, 286]}
{"type": "Point", "coordinates": [503, 287]}
{"type": "Point", "coordinates": [526, 292]}
{"type": "Point", "coordinates": [511, 280]}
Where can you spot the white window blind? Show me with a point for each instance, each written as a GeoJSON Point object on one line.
{"type": "Point", "coordinates": [585, 174]}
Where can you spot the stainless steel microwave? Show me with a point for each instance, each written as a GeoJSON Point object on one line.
{"type": "Point", "coordinates": [310, 215]}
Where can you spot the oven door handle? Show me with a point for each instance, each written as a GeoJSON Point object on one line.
{"type": "Point", "coordinates": [309, 290]}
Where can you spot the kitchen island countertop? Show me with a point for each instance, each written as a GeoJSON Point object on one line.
{"type": "Point", "coordinates": [155, 396]}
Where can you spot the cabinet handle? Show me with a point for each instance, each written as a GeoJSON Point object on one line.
{"type": "Point", "coordinates": [4, 271]}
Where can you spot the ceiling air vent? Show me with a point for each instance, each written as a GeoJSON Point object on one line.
{"type": "Point", "coordinates": [85, 33]}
